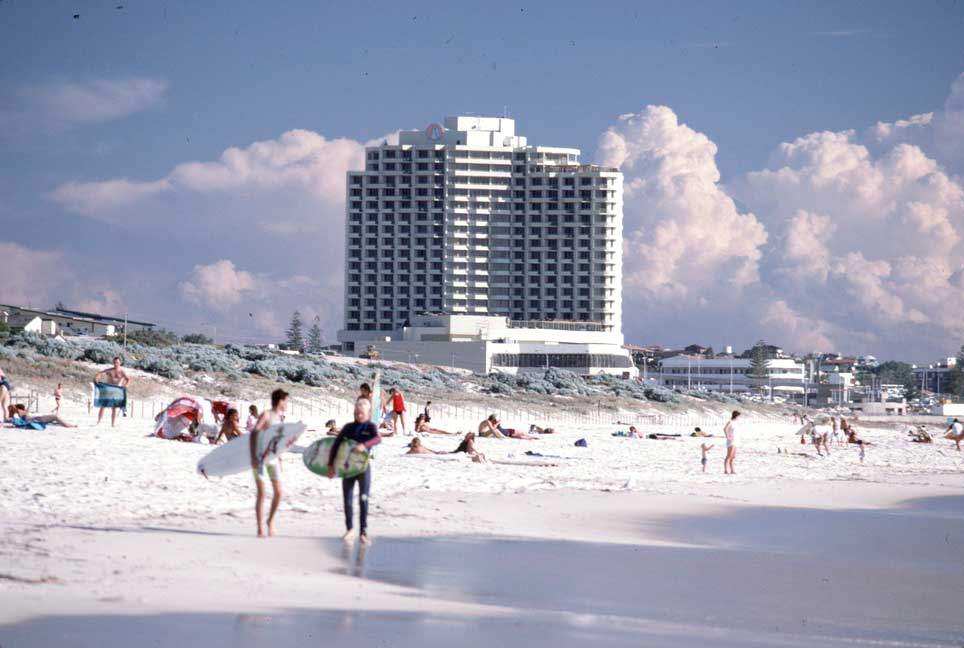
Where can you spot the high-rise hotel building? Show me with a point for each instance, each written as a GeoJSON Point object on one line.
{"type": "Point", "coordinates": [466, 218]}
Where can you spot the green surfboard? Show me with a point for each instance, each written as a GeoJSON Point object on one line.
{"type": "Point", "coordinates": [347, 462]}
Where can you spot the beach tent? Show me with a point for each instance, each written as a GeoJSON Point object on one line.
{"type": "Point", "coordinates": [180, 419]}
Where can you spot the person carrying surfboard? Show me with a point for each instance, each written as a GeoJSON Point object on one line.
{"type": "Point", "coordinates": [271, 468]}
{"type": "Point", "coordinates": [365, 434]}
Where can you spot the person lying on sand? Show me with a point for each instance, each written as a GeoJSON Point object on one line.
{"type": "Point", "coordinates": [19, 411]}
{"type": "Point", "coordinates": [659, 436]}
{"type": "Point", "coordinates": [468, 447]}
{"type": "Point", "coordinates": [955, 432]}
{"type": "Point", "coordinates": [697, 432]}
{"type": "Point", "coordinates": [422, 427]}
{"type": "Point", "coordinates": [492, 427]}
{"type": "Point", "coordinates": [535, 429]}
{"type": "Point", "coordinates": [416, 447]}
{"type": "Point", "coordinates": [230, 428]}
{"type": "Point", "coordinates": [920, 435]}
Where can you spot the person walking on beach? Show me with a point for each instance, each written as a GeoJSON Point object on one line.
{"type": "Point", "coordinates": [426, 412]}
{"type": "Point", "coordinates": [365, 434]}
{"type": "Point", "coordinates": [272, 468]}
{"type": "Point", "coordinates": [835, 430]}
{"type": "Point", "coordinates": [113, 375]}
{"type": "Point", "coordinates": [729, 431]}
{"type": "Point", "coordinates": [58, 394]}
{"type": "Point", "coordinates": [955, 432]}
{"type": "Point", "coordinates": [398, 409]}
{"type": "Point", "coordinates": [704, 449]}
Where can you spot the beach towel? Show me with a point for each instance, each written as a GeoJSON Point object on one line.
{"type": "Point", "coordinates": [107, 395]}
{"type": "Point", "coordinates": [20, 422]}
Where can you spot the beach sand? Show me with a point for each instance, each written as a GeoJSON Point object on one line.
{"type": "Point", "coordinates": [110, 538]}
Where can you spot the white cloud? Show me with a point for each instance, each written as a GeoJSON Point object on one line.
{"type": "Point", "coordinates": [104, 199]}
{"type": "Point", "coordinates": [61, 105]}
{"type": "Point", "coordinates": [30, 277]}
{"type": "Point", "coordinates": [685, 236]}
{"type": "Point", "coordinates": [808, 334]}
{"type": "Point", "coordinates": [218, 285]}
{"type": "Point", "coordinates": [298, 160]}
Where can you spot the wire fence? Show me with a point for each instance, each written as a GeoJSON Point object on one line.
{"type": "Point", "coordinates": [452, 416]}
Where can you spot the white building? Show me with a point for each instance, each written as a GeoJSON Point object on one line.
{"type": "Point", "coordinates": [62, 322]}
{"type": "Point", "coordinates": [731, 374]}
{"type": "Point", "coordinates": [487, 344]}
{"type": "Point", "coordinates": [467, 218]}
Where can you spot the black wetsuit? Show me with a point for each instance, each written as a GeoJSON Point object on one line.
{"type": "Point", "coordinates": [367, 435]}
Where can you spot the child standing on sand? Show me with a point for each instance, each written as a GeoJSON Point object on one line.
{"type": "Point", "coordinates": [58, 393]}
{"type": "Point", "coordinates": [705, 449]}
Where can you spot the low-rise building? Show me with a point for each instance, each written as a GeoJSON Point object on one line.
{"type": "Point", "coordinates": [66, 322]}
{"type": "Point", "coordinates": [730, 374]}
{"type": "Point", "coordinates": [486, 344]}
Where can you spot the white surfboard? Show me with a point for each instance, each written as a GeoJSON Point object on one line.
{"type": "Point", "coordinates": [235, 456]}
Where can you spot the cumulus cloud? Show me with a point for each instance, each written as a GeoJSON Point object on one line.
{"type": "Point", "coordinates": [869, 226]}
{"type": "Point", "coordinates": [807, 334]}
{"type": "Point", "coordinates": [30, 277]}
{"type": "Point", "coordinates": [299, 160]}
{"type": "Point", "coordinates": [218, 285]}
{"type": "Point", "coordinates": [61, 105]}
{"type": "Point", "coordinates": [684, 234]}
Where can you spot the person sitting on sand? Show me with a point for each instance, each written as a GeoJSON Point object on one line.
{"type": "Point", "coordinates": [704, 449]}
{"type": "Point", "coordinates": [422, 427]}
{"type": "Point", "coordinates": [252, 418]}
{"type": "Point", "coordinates": [535, 429]}
{"type": "Point", "coordinates": [230, 428]}
{"type": "Point", "coordinates": [331, 428]}
{"type": "Point", "coordinates": [633, 432]}
{"type": "Point", "coordinates": [416, 447]}
{"type": "Point", "coordinates": [19, 412]}
{"type": "Point", "coordinates": [468, 447]}
{"type": "Point", "coordinates": [955, 432]}
{"type": "Point", "coordinates": [853, 438]}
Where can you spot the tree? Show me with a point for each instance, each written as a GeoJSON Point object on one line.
{"type": "Point", "coordinates": [196, 338]}
{"type": "Point", "coordinates": [295, 335]}
{"type": "Point", "coordinates": [151, 337]}
{"type": "Point", "coordinates": [315, 340]}
{"type": "Point", "coordinates": [955, 377]}
{"type": "Point", "coordinates": [897, 373]}
{"type": "Point", "coordinates": [758, 360]}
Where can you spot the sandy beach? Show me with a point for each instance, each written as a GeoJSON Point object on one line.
{"type": "Point", "coordinates": [110, 537]}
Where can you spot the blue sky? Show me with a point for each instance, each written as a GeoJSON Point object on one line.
{"type": "Point", "coordinates": [161, 84]}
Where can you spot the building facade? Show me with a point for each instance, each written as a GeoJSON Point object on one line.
{"type": "Point", "coordinates": [486, 344]}
{"type": "Point", "coordinates": [731, 374]}
{"type": "Point", "coordinates": [466, 218]}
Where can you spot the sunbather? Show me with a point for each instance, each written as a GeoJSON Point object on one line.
{"type": "Point", "coordinates": [19, 413]}
{"type": "Point", "coordinates": [468, 447]}
{"type": "Point", "coordinates": [422, 427]}
{"type": "Point", "coordinates": [416, 447]}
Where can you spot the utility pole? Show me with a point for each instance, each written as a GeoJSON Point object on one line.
{"type": "Point", "coordinates": [125, 331]}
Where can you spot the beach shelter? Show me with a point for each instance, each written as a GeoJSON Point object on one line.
{"type": "Point", "coordinates": [180, 419]}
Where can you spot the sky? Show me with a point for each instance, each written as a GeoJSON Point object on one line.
{"type": "Point", "coordinates": [793, 171]}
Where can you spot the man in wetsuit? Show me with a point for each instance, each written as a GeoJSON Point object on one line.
{"type": "Point", "coordinates": [365, 434]}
